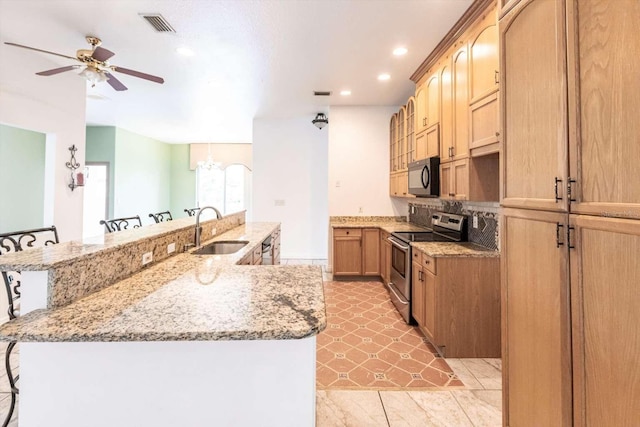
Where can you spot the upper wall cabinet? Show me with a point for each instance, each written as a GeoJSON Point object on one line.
{"type": "Point", "coordinates": [483, 50]}
{"type": "Point", "coordinates": [401, 135]}
{"type": "Point", "coordinates": [484, 64]}
{"type": "Point", "coordinates": [393, 143]}
{"type": "Point", "coordinates": [427, 103]}
{"type": "Point", "coordinates": [534, 105]}
{"type": "Point", "coordinates": [410, 129]}
{"type": "Point", "coordinates": [604, 102]}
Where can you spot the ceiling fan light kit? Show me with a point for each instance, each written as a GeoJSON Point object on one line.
{"type": "Point", "coordinates": [97, 69]}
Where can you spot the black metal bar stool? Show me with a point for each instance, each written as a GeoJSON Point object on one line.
{"type": "Point", "coordinates": [119, 224]}
{"type": "Point", "coordinates": [161, 216]}
{"type": "Point", "coordinates": [15, 242]}
{"type": "Point", "coordinates": [192, 211]}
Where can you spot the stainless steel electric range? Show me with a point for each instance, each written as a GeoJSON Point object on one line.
{"type": "Point", "coordinates": [446, 228]}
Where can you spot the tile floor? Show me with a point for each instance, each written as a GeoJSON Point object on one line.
{"type": "Point", "coordinates": [478, 403]}
{"type": "Point", "coordinates": [367, 344]}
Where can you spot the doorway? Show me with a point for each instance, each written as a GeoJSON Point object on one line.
{"type": "Point", "coordinates": [96, 199]}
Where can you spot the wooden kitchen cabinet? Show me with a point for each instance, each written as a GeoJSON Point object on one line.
{"type": "Point", "coordinates": [533, 87]}
{"type": "Point", "coordinates": [371, 252]}
{"type": "Point", "coordinates": [393, 143]}
{"type": "Point", "coordinates": [428, 143]}
{"type": "Point", "coordinates": [456, 302]}
{"type": "Point", "coordinates": [427, 103]}
{"type": "Point", "coordinates": [454, 180]}
{"type": "Point", "coordinates": [604, 299]}
{"type": "Point", "coordinates": [604, 101]}
{"type": "Point", "coordinates": [399, 184]}
{"type": "Point", "coordinates": [275, 244]}
{"type": "Point", "coordinates": [347, 251]}
{"type": "Point", "coordinates": [455, 106]}
{"type": "Point", "coordinates": [582, 73]}
{"type": "Point", "coordinates": [535, 313]}
{"type": "Point", "coordinates": [356, 252]}
{"type": "Point", "coordinates": [410, 129]}
{"type": "Point", "coordinates": [401, 143]}
{"type": "Point", "coordinates": [484, 104]}
{"type": "Point", "coordinates": [417, 291]}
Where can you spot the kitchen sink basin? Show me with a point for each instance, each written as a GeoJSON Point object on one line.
{"type": "Point", "coordinates": [221, 247]}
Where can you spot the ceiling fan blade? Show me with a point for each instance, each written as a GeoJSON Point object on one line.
{"type": "Point", "coordinates": [58, 70]}
{"type": "Point", "coordinates": [40, 50]}
{"type": "Point", "coordinates": [138, 74]}
{"type": "Point", "coordinates": [115, 83]}
{"type": "Point", "coordinates": [101, 54]}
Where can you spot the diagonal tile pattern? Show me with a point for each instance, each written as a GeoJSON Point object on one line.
{"type": "Point", "coordinates": [367, 345]}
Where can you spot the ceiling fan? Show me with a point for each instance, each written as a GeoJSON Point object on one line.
{"type": "Point", "coordinates": [97, 69]}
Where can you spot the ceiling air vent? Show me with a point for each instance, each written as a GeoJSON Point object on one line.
{"type": "Point", "coordinates": [321, 93]}
{"type": "Point", "coordinates": [158, 22]}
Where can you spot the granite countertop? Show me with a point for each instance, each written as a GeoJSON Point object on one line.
{"type": "Point", "coordinates": [386, 225]}
{"type": "Point", "coordinates": [454, 249]}
{"type": "Point", "coordinates": [44, 258]}
{"type": "Point", "coordinates": [190, 297]}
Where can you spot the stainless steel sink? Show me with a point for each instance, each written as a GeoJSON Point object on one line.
{"type": "Point", "coordinates": [221, 247]}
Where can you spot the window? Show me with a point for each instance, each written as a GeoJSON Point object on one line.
{"type": "Point", "coordinates": [227, 189]}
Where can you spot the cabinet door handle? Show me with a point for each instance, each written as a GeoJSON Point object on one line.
{"type": "Point", "coordinates": [497, 133]}
{"type": "Point", "coordinates": [452, 194]}
{"type": "Point", "coordinates": [495, 77]}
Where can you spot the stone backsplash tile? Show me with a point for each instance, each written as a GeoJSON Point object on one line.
{"type": "Point", "coordinates": [487, 233]}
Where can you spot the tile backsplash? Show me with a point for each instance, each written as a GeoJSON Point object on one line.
{"type": "Point", "coordinates": [488, 214]}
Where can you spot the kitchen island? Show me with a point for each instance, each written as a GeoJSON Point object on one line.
{"type": "Point", "coordinates": [194, 340]}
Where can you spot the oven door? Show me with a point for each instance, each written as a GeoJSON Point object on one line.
{"type": "Point", "coordinates": [400, 280]}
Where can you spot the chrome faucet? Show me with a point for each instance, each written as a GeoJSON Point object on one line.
{"type": "Point", "coordinates": [198, 228]}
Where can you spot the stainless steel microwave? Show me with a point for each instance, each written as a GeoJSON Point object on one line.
{"type": "Point", "coordinates": [424, 177]}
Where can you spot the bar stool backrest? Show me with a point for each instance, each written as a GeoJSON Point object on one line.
{"type": "Point", "coordinates": [119, 224]}
{"type": "Point", "coordinates": [161, 216]}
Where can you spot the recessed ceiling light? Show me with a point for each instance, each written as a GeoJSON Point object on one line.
{"type": "Point", "coordinates": [185, 51]}
{"type": "Point", "coordinates": [400, 51]}
{"type": "Point", "coordinates": [383, 77]}
{"type": "Point", "coordinates": [345, 92]}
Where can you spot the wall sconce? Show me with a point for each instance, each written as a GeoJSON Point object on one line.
{"type": "Point", "coordinates": [320, 121]}
{"type": "Point", "coordinates": [77, 178]}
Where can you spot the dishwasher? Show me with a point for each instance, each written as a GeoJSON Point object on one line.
{"type": "Point", "coordinates": [267, 252]}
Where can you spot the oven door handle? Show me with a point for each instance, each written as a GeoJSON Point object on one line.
{"type": "Point", "coordinates": [398, 245]}
{"type": "Point", "coordinates": [397, 296]}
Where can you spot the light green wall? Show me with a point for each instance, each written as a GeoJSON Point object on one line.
{"type": "Point", "coordinates": [101, 147]}
{"type": "Point", "coordinates": [183, 181]}
{"type": "Point", "coordinates": [145, 175]}
{"type": "Point", "coordinates": [22, 160]}
{"type": "Point", "coordinates": [142, 176]}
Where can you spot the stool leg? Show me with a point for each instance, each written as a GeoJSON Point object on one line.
{"type": "Point", "coordinates": [12, 382]}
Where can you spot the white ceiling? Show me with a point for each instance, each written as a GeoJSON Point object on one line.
{"type": "Point", "coordinates": [254, 59]}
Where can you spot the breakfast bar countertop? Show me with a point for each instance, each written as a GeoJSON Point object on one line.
{"type": "Point", "coordinates": [189, 297]}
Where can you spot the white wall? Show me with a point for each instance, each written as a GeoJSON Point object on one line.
{"type": "Point", "coordinates": [58, 111]}
{"type": "Point", "coordinates": [290, 165]}
{"type": "Point", "coordinates": [359, 162]}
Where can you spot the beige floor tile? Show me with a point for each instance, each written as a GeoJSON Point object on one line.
{"type": "Point", "coordinates": [496, 363]}
{"type": "Point", "coordinates": [483, 407]}
{"type": "Point", "coordinates": [423, 409]}
{"type": "Point", "coordinates": [465, 375]}
{"type": "Point", "coordinates": [485, 373]}
{"type": "Point", "coordinates": [5, 401]}
{"type": "Point", "coordinates": [346, 408]}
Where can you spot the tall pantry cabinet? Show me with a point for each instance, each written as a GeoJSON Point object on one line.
{"type": "Point", "coordinates": [570, 92]}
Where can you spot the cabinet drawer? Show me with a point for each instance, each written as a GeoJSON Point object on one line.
{"type": "Point", "coordinates": [347, 232]}
{"type": "Point", "coordinates": [417, 256]}
{"type": "Point", "coordinates": [429, 263]}
{"type": "Point", "coordinates": [257, 254]}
